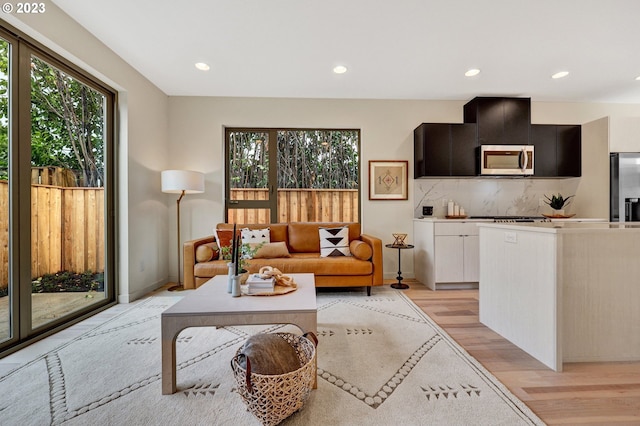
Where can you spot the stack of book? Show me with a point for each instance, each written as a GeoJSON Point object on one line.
{"type": "Point", "coordinates": [257, 285]}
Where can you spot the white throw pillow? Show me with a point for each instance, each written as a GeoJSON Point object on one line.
{"type": "Point", "coordinates": [255, 236]}
{"type": "Point", "coordinates": [334, 241]}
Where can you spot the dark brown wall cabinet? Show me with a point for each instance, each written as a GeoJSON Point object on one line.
{"type": "Point", "coordinates": [558, 150]}
{"type": "Point", "coordinates": [500, 121]}
{"type": "Point", "coordinates": [442, 149]}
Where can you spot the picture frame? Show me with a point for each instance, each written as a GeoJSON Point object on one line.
{"type": "Point", "coordinates": [388, 180]}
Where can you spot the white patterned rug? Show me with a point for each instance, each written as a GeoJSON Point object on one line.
{"type": "Point", "coordinates": [381, 361]}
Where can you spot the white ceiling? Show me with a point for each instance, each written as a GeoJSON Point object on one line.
{"type": "Point", "coordinates": [394, 49]}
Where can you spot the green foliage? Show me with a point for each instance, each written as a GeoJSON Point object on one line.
{"type": "Point", "coordinates": [557, 202]}
{"type": "Point", "coordinates": [67, 121]}
{"type": "Point", "coordinates": [65, 281]}
{"type": "Point", "coordinates": [247, 253]}
{"type": "Point", "coordinates": [316, 159]}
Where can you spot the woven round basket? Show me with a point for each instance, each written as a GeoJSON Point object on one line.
{"type": "Point", "coordinates": [273, 398]}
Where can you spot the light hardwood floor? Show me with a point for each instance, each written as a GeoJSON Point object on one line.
{"type": "Point", "coordinates": [584, 393]}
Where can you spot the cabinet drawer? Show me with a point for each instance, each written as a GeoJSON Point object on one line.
{"type": "Point", "coordinates": [457, 228]}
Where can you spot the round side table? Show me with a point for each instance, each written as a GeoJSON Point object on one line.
{"type": "Point", "coordinates": [399, 284]}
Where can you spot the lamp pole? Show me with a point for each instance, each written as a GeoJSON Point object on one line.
{"type": "Point", "coordinates": [179, 286]}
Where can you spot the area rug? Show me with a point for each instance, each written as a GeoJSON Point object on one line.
{"type": "Point", "coordinates": [381, 361]}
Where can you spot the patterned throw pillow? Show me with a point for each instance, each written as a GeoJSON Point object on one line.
{"type": "Point", "coordinates": [255, 236]}
{"type": "Point", "coordinates": [223, 237]}
{"type": "Point", "coordinates": [334, 241]}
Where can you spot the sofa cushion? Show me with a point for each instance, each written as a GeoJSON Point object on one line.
{"type": "Point", "coordinates": [304, 236]}
{"type": "Point", "coordinates": [360, 249]}
{"type": "Point", "coordinates": [334, 241]}
{"type": "Point", "coordinates": [207, 252]}
{"type": "Point", "coordinates": [297, 263]}
{"type": "Point", "coordinates": [272, 251]}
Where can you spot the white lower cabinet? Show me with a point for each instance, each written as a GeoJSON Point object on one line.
{"type": "Point", "coordinates": [447, 253]}
{"type": "Point", "coordinates": [471, 258]}
{"type": "Point", "coordinates": [449, 258]}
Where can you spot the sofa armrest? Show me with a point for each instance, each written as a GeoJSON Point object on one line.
{"type": "Point", "coordinates": [189, 259]}
{"type": "Point", "coordinates": [376, 258]}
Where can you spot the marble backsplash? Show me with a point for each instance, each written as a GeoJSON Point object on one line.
{"type": "Point", "coordinates": [491, 196]}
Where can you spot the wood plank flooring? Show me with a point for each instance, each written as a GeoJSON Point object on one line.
{"type": "Point", "coordinates": [584, 393]}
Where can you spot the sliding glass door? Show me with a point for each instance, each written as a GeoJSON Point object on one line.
{"type": "Point", "coordinates": [57, 240]}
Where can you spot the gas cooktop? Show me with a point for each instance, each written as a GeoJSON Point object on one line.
{"type": "Point", "coordinates": [512, 218]}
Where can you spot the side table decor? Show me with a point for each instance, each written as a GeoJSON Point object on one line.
{"type": "Point", "coordinates": [399, 239]}
{"type": "Point", "coordinates": [399, 285]}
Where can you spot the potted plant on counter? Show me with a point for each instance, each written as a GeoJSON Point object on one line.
{"type": "Point", "coordinates": [557, 203]}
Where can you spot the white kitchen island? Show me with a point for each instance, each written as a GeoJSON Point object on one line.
{"type": "Point", "coordinates": [563, 292]}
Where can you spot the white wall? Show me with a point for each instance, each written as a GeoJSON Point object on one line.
{"type": "Point", "coordinates": [196, 138]}
{"type": "Point", "coordinates": [142, 150]}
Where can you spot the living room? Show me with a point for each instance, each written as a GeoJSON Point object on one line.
{"type": "Point", "coordinates": [159, 131]}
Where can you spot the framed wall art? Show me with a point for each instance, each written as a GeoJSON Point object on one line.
{"type": "Point", "coordinates": [388, 180]}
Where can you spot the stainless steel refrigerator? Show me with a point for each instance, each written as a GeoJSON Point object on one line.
{"type": "Point", "coordinates": [625, 187]}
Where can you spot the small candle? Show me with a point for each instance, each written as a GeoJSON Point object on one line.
{"type": "Point", "coordinates": [456, 210]}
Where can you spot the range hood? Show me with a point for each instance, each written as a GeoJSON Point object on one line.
{"type": "Point", "coordinates": [500, 120]}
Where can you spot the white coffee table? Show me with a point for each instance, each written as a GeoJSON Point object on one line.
{"type": "Point", "coordinates": [210, 305]}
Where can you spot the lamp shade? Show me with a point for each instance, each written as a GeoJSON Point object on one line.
{"type": "Point", "coordinates": [176, 181]}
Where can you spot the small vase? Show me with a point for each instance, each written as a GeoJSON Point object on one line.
{"type": "Point", "coordinates": [558, 212]}
{"type": "Point", "coordinates": [230, 275]}
{"type": "Point", "coordinates": [235, 291]}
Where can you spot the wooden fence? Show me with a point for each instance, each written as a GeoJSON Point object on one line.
{"type": "Point", "coordinates": [299, 205]}
{"type": "Point", "coordinates": [67, 230]}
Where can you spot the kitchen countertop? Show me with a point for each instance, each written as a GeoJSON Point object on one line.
{"type": "Point", "coordinates": [557, 226]}
{"type": "Point", "coordinates": [569, 220]}
{"type": "Point", "coordinates": [444, 219]}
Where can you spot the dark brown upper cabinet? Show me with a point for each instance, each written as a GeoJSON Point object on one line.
{"type": "Point", "coordinates": [558, 150]}
{"type": "Point", "coordinates": [442, 149]}
{"type": "Point", "coordinates": [500, 121]}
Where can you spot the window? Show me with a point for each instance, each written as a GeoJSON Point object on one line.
{"type": "Point", "coordinates": [292, 175]}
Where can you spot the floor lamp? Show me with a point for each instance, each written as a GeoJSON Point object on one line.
{"type": "Point", "coordinates": [181, 182]}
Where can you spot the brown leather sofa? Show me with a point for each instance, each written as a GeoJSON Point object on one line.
{"type": "Point", "coordinates": [363, 268]}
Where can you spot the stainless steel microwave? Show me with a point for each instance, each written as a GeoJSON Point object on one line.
{"type": "Point", "coordinates": [506, 160]}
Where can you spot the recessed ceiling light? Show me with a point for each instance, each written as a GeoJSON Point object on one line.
{"type": "Point", "coordinates": [472, 72]}
{"type": "Point", "coordinates": [560, 74]}
{"type": "Point", "coordinates": [340, 69]}
{"type": "Point", "coordinates": [638, 77]}
{"type": "Point", "coordinates": [202, 66]}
